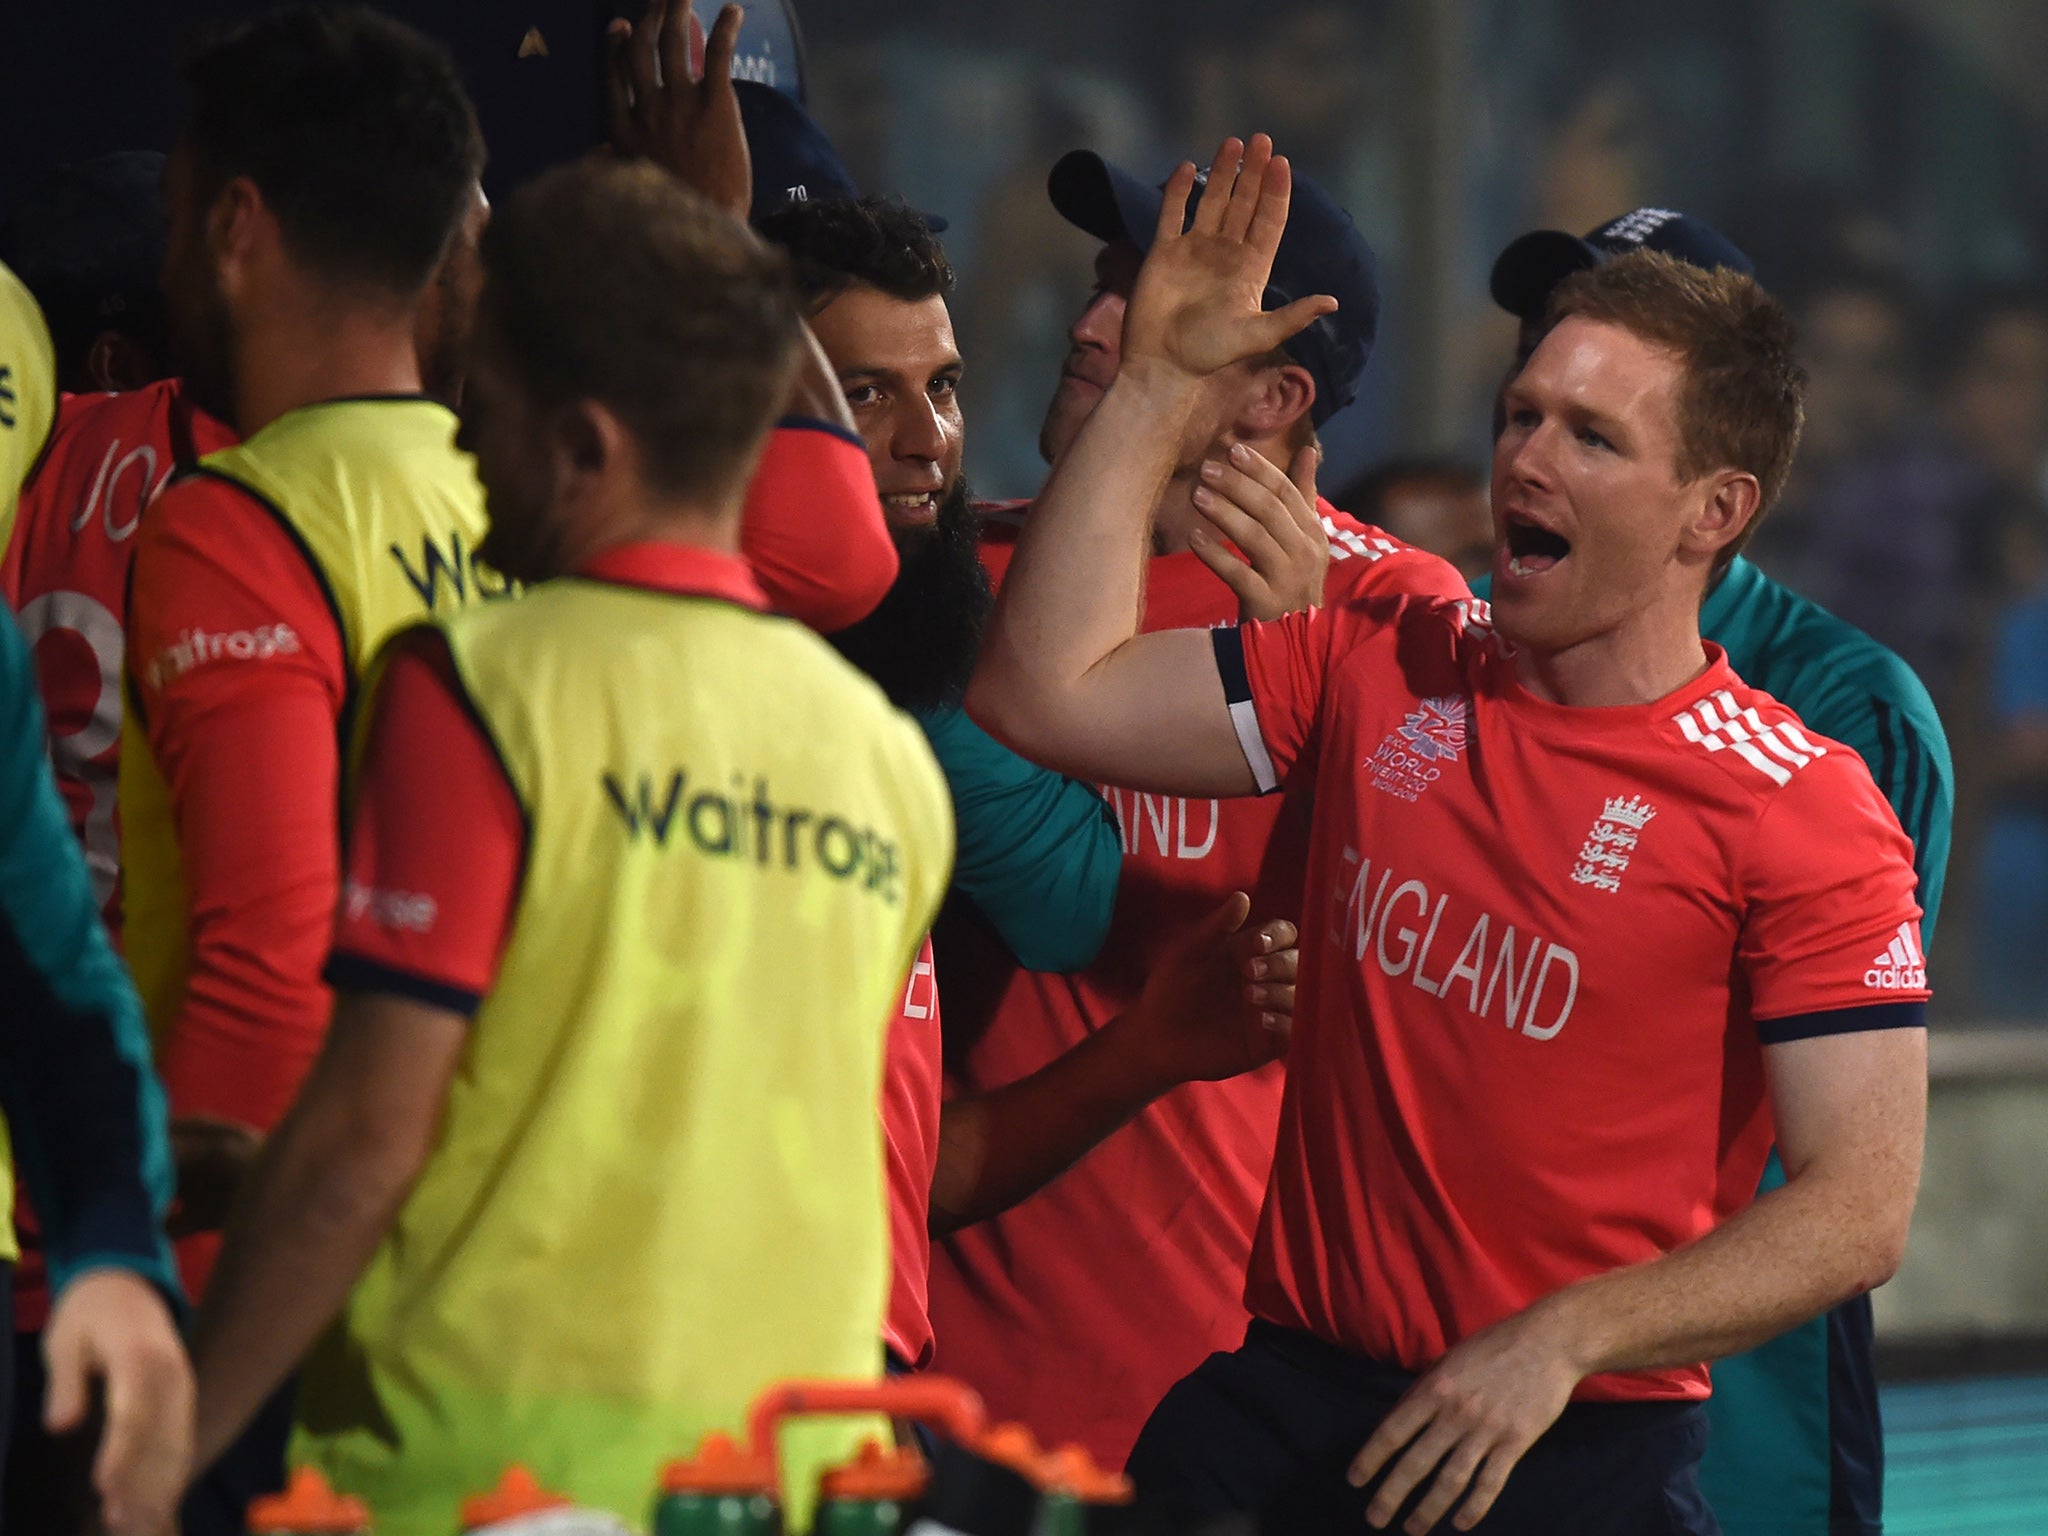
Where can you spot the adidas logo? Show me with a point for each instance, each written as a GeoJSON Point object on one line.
{"type": "Point", "coordinates": [1901, 968]}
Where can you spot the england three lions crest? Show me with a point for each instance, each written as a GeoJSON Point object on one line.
{"type": "Point", "coordinates": [1604, 856]}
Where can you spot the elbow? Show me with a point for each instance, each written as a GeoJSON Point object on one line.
{"type": "Point", "coordinates": [992, 702]}
{"type": "Point", "coordinates": [1885, 1252]}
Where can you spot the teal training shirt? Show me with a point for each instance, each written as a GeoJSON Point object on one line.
{"type": "Point", "coordinates": [1845, 685]}
{"type": "Point", "coordinates": [1795, 1446]}
{"type": "Point", "coordinates": [82, 1100]}
{"type": "Point", "coordinates": [1039, 854]}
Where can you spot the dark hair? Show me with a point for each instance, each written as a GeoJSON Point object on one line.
{"type": "Point", "coordinates": [611, 282]}
{"type": "Point", "coordinates": [1366, 497]}
{"type": "Point", "coordinates": [1743, 403]}
{"type": "Point", "coordinates": [354, 127]}
{"type": "Point", "coordinates": [835, 242]}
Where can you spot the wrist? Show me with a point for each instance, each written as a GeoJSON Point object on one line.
{"type": "Point", "coordinates": [1157, 382]}
{"type": "Point", "coordinates": [1575, 1328]}
{"type": "Point", "coordinates": [1136, 1059]}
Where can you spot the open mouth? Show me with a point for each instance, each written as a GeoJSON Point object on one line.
{"type": "Point", "coordinates": [1532, 548]}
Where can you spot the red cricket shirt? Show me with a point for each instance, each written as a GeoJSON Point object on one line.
{"type": "Point", "coordinates": [1075, 1311]}
{"type": "Point", "coordinates": [65, 573]}
{"type": "Point", "coordinates": [1544, 949]}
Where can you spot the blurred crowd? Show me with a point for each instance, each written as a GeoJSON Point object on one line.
{"type": "Point", "coordinates": [1879, 182]}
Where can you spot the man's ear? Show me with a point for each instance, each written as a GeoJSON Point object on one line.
{"type": "Point", "coordinates": [1730, 507]}
{"type": "Point", "coordinates": [587, 440]}
{"type": "Point", "coordinates": [239, 225]}
{"type": "Point", "coordinates": [1275, 398]}
{"type": "Point", "coordinates": [117, 362]}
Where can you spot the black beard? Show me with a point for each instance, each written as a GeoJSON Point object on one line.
{"type": "Point", "coordinates": [921, 641]}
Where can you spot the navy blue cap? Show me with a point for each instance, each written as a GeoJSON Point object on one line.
{"type": "Point", "coordinates": [793, 160]}
{"type": "Point", "coordinates": [88, 242]}
{"type": "Point", "coordinates": [1321, 252]}
{"type": "Point", "coordinates": [1529, 270]}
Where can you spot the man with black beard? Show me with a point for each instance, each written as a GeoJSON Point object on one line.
{"type": "Point", "coordinates": [1038, 853]}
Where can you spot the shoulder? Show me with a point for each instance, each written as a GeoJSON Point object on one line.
{"type": "Point", "coordinates": [1365, 559]}
{"type": "Point", "coordinates": [1760, 750]}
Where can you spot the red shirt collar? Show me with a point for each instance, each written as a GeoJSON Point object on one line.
{"type": "Point", "coordinates": [687, 570]}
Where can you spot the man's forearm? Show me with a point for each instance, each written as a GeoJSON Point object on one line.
{"type": "Point", "coordinates": [1075, 591]}
{"type": "Point", "coordinates": [1798, 1251]}
{"type": "Point", "coordinates": [998, 1148]}
{"type": "Point", "coordinates": [310, 1219]}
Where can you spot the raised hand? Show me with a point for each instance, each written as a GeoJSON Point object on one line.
{"type": "Point", "coordinates": [1196, 308]}
{"type": "Point", "coordinates": [659, 110]}
{"type": "Point", "coordinates": [1283, 549]}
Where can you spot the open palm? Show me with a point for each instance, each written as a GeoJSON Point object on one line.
{"type": "Point", "coordinates": [1198, 304]}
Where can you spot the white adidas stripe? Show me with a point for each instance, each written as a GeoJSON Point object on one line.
{"type": "Point", "coordinates": [1912, 943]}
{"type": "Point", "coordinates": [1721, 724]}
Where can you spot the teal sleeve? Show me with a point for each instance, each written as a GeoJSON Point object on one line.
{"type": "Point", "coordinates": [84, 1108]}
{"type": "Point", "coordinates": [1039, 853]}
{"type": "Point", "coordinates": [1885, 714]}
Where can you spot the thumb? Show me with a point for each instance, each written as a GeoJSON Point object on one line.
{"type": "Point", "coordinates": [69, 1396]}
{"type": "Point", "coordinates": [1276, 327]}
{"type": "Point", "coordinates": [1226, 919]}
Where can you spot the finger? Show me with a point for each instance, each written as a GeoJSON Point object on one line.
{"type": "Point", "coordinates": [145, 1451]}
{"type": "Point", "coordinates": [1251, 489]}
{"type": "Point", "coordinates": [1274, 996]}
{"type": "Point", "coordinates": [1278, 483]}
{"type": "Point", "coordinates": [1284, 965]}
{"type": "Point", "coordinates": [1493, 1476]}
{"type": "Point", "coordinates": [1244, 196]}
{"type": "Point", "coordinates": [1408, 1420]}
{"type": "Point", "coordinates": [1230, 915]}
{"type": "Point", "coordinates": [1448, 1486]}
{"type": "Point", "coordinates": [1276, 327]}
{"type": "Point", "coordinates": [1246, 584]}
{"type": "Point", "coordinates": [618, 87]}
{"type": "Point", "coordinates": [69, 1393]}
{"type": "Point", "coordinates": [1173, 208]}
{"type": "Point", "coordinates": [1215, 201]}
{"type": "Point", "coordinates": [642, 62]}
{"type": "Point", "coordinates": [1247, 532]}
{"type": "Point", "coordinates": [1416, 1463]}
{"type": "Point", "coordinates": [1302, 474]}
{"type": "Point", "coordinates": [1257, 949]}
{"type": "Point", "coordinates": [1269, 217]}
{"type": "Point", "coordinates": [721, 49]}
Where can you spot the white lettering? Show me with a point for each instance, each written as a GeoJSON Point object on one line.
{"type": "Point", "coordinates": [1407, 936]}
{"type": "Point", "coordinates": [1474, 950]}
{"type": "Point", "coordinates": [405, 911]}
{"type": "Point", "coordinates": [1505, 961]}
{"type": "Point", "coordinates": [1433, 988]}
{"type": "Point", "coordinates": [1186, 850]}
{"type": "Point", "coordinates": [195, 647]}
{"type": "Point", "coordinates": [1551, 955]}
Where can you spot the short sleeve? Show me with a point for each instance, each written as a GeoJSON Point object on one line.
{"type": "Point", "coordinates": [813, 529]}
{"type": "Point", "coordinates": [1831, 929]}
{"type": "Point", "coordinates": [1274, 672]}
{"type": "Point", "coordinates": [434, 858]}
